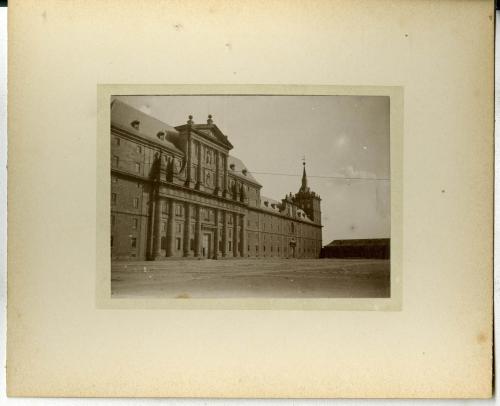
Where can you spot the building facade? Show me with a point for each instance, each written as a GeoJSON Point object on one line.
{"type": "Point", "coordinates": [177, 192]}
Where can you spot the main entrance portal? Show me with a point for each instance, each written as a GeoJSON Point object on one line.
{"type": "Point", "coordinates": [207, 245]}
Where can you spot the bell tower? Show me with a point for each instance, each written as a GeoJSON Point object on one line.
{"type": "Point", "coordinates": [308, 200]}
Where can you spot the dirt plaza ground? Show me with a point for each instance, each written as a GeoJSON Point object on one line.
{"type": "Point", "coordinates": [257, 278]}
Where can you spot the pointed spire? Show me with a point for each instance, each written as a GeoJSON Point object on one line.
{"type": "Point", "coordinates": [304, 178]}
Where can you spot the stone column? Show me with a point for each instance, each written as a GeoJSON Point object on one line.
{"type": "Point", "coordinates": [199, 180]}
{"type": "Point", "coordinates": [217, 173]}
{"type": "Point", "coordinates": [216, 236]}
{"type": "Point", "coordinates": [243, 237]}
{"type": "Point", "coordinates": [224, 233]}
{"type": "Point", "coordinates": [235, 234]}
{"type": "Point", "coordinates": [171, 228]}
{"type": "Point", "coordinates": [224, 165]}
{"type": "Point", "coordinates": [187, 229]}
{"type": "Point", "coordinates": [157, 228]}
{"type": "Point", "coordinates": [189, 153]}
{"type": "Point", "coordinates": [197, 232]}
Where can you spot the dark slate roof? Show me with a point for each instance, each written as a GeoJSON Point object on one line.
{"type": "Point", "coordinates": [122, 116]}
{"type": "Point", "coordinates": [360, 242]}
{"type": "Point", "coordinates": [301, 214]}
{"type": "Point", "coordinates": [239, 166]}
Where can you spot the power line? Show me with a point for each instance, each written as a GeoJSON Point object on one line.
{"type": "Point", "coordinates": [320, 176]}
{"type": "Point", "coordinates": [281, 174]}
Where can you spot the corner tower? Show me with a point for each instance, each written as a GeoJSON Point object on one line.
{"type": "Point", "coordinates": [307, 200]}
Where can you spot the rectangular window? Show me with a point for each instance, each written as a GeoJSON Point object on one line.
{"type": "Point", "coordinates": [163, 227]}
{"type": "Point", "coordinates": [133, 242]}
{"type": "Point", "coordinates": [115, 161]}
{"type": "Point", "coordinates": [135, 223]}
{"type": "Point", "coordinates": [229, 245]}
{"type": "Point", "coordinates": [230, 233]}
{"type": "Point", "coordinates": [111, 241]}
{"type": "Point", "coordinates": [136, 202]}
{"type": "Point", "coordinates": [137, 167]}
{"type": "Point", "coordinates": [139, 185]}
{"type": "Point", "coordinates": [113, 198]}
{"type": "Point", "coordinates": [178, 243]}
{"type": "Point", "coordinates": [230, 219]}
{"type": "Point", "coordinates": [163, 243]}
{"type": "Point", "coordinates": [178, 227]}
{"type": "Point", "coordinates": [178, 210]}
{"type": "Point", "coordinates": [191, 244]}
{"type": "Point", "coordinates": [112, 220]}
{"type": "Point", "coordinates": [117, 141]}
{"type": "Point", "coordinates": [139, 149]}
{"type": "Point", "coordinates": [115, 179]}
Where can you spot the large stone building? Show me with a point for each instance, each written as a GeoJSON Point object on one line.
{"type": "Point", "coordinates": [176, 192]}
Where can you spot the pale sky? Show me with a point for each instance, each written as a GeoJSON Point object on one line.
{"type": "Point", "coordinates": [340, 136]}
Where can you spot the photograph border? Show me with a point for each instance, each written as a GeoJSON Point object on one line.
{"type": "Point", "coordinates": [103, 178]}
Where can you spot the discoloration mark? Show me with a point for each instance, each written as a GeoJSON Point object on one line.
{"type": "Point", "coordinates": [481, 338]}
{"type": "Point", "coordinates": [442, 190]}
{"type": "Point", "coordinates": [490, 17]}
{"type": "Point", "coordinates": [183, 296]}
{"type": "Point", "coordinates": [178, 27]}
{"type": "Point", "coordinates": [229, 46]}
{"type": "Point", "coordinates": [44, 15]}
{"type": "Point", "coordinates": [406, 35]}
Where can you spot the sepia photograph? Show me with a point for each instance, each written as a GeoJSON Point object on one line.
{"type": "Point", "coordinates": [250, 196]}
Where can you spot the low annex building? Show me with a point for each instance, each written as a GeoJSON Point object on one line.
{"type": "Point", "coordinates": [176, 192]}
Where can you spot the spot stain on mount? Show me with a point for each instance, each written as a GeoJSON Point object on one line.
{"type": "Point", "coordinates": [229, 46]}
{"type": "Point", "coordinates": [44, 15]}
{"type": "Point", "coordinates": [178, 27]}
{"type": "Point", "coordinates": [481, 338]}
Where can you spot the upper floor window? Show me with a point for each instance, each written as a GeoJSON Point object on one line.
{"type": "Point", "coordinates": [117, 141]}
{"type": "Point", "coordinates": [178, 210]}
{"type": "Point", "coordinates": [136, 202]}
{"type": "Point", "coordinates": [135, 223]}
{"type": "Point", "coordinates": [139, 149]}
{"type": "Point", "coordinates": [137, 167]}
{"type": "Point", "coordinates": [113, 198]}
{"type": "Point", "coordinates": [115, 161]}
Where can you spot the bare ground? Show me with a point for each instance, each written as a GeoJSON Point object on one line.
{"type": "Point", "coordinates": [257, 278]}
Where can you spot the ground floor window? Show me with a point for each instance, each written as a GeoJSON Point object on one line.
{"type": "Point", "coordinates": [229, 245]}
{"type": "Point", "coordinates": [133, 242]}
{"type": "Point", "coordinates": [163, 243]}
{"type": "Point", "coordinates": [191, 244]}
{"type": "Point", "coordinates": [111, 241]}
{"type": "Point", "coordinates": [178, 243]}
{"type": "Point", "coordinates": [220, 245]}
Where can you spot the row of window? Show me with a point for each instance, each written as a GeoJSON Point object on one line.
{"type": "Point", "coordinates": [138, 148]}
{"type": "Point", "coordinates": [116, 163]}
{"type": "Point", "coordinates": [115, 179]}
{"type": "Point", "coordinates": [178, 242]}
{"type": "Point", "coordinates": [114, 199]}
